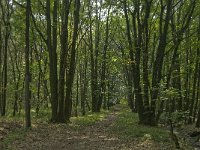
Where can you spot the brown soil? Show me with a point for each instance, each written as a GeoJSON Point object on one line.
{"type": "Point", "coordinates": [92, 137]}
{"type": "Point", "coordinates": [7, 127]}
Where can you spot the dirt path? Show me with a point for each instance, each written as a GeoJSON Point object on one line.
{"type": "Point", "coordinates": [6, 127]}
{"type": "Point", "coordinates": [62, 137]}
{"type": "Point", "coordinates": [91, 137]}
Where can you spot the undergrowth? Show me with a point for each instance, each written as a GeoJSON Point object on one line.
{"type": "Point", "coordinates": [17, 134]}
{"type": "Point", "coordinates": [89, 119]}
{"type": "Point", "coordinates": [76, 123]}
{"type": "Point", "coordinates": [127, 127]}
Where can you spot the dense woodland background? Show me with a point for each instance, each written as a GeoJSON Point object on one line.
{"type": "Point", "coordinates": [75, 56]}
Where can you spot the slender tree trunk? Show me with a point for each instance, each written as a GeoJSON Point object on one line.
{"type": "Point", "coordinates": [132, 68]}
{"type": "Point", "coordinates": [27, 67]}
{"type": "Point", "coordinates": [187, 79]}
{"type": "Point", "coordinates": [83, 81]}
{"type": "Point", "coordinates": [158, 64]}
{"type": "Point", "coordinates": [94, 89]}
{"type": "Point", "coordinates": [1, 42]}
{"type": "Point", "coordinates": [6, 20]}
{"type": "Point", "coordinates": [197, 97]}
{"type": "Point", "coordinates": [195, 82]}
{"type": "Point", "coordinates": [63, 57]}
{"type": "Point", "coordinates": [16, 72]}
{"type": "Point", "coordinates": [104, 65]}
{"type": "Point", "coordinates": [77, 93]}
{"type": "Point", "coordinates": [72, 66]}
{"type": "Point", "coordinates": [52, 59]}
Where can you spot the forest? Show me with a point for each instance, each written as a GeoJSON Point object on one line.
{"type": "Point", "coordinates": [99, 74]}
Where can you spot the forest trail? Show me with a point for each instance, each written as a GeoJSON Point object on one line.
{"type": "Point", "coordinates": [61, 137]}
{"type": "Point", "coordinates": [97, 136]}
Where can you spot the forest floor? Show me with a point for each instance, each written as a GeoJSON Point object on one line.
{"type": "Point", "coordinates": [113, 130]}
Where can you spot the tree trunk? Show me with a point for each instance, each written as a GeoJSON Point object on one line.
{"type": "Point", "coordinates": [102, 96]}
{"type": "Point", "coordinates": [27, 67]}
{"type": "Point", "coordinates": [63, 57]}
{"type": "Point", "coordinates": [72, 65]}
{"type": "Point", "coordinates": [158, 64]}
{"type": "Point", "coordinates": [52, 59]}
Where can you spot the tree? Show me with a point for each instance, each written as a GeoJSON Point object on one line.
{"type": "Point", "coordinates": [144, 51]}
{"type": "Point", "coordinates": [27, 92]}
{"type": "Point", "coordinates": [72, 65]}
{"type": "Point", "coordinates": [6, 11]}
{"type": "Point", "coordinates": [147, 94]}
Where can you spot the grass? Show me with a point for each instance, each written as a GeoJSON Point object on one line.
{"type": "Point", "coordinates": [77, 123]}
{"type": "Point", "coordinates": [17, 134]}
{"type": "Point", "coordinates": [88, 119]}
{"type": "Point", "coordinates": [43, 116]}
{"type": "Point", "coordinates": [127, 127]}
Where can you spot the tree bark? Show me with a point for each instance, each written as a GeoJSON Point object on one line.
{"type": "Point", "coordinates": [63, 57]}
{"type": "Point", "coordinates": [52, 61]}
{"type": "Point", "coordinates": [72, 65]}
{"type": "Point", "coordinates": [27, 67]}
